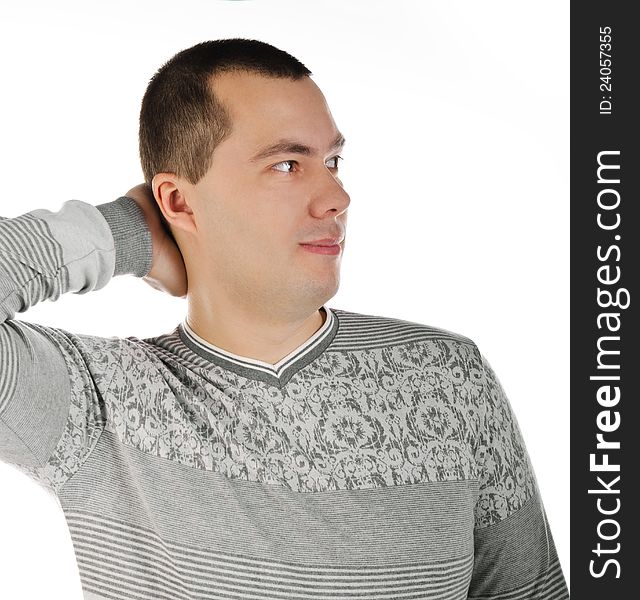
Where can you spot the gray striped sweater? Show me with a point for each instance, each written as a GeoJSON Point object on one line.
{"type": "Point", "coordinates": [379, 460]}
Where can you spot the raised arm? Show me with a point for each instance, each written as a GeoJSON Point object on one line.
{"type": "Point", "coordinates": [515, 556]}
{"type": "Point", "coordinates": [45, 378]}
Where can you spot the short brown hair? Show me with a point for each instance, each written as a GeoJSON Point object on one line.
{"type": "Point", "coordinates": [181, 120]}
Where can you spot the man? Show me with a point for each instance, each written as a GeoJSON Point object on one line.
{"type": "Point", "coordinates": [269, 446]}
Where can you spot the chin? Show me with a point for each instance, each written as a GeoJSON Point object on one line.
{"type": "Point", "coordinates": [327, 292]}
{"type": "Point", "coordinates": [318, 289]}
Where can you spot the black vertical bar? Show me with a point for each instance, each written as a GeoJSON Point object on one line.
{"type": "Point", "coordinates": [605, 270]}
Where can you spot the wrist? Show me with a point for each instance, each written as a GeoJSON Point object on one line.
{"type": "Point", "coordinates": [131, 236]}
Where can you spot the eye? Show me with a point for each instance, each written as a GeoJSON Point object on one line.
{"type": "Point", "coordinates": [335, 160]}
{"type": "Point", "coordinates": [284, 162]}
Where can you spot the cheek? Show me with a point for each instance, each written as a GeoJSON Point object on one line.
{"type": "Point", "coordinates": [266, 225]}
{"type": "Point", "coordinates": [275, 226]}
{"type": "Point", "coordinates": [248, 240]}
{"type": "Point", "coordinates": [228, 219]}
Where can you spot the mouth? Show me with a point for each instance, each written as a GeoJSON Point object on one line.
{"type": "Point", "coordinates": [323, 248]}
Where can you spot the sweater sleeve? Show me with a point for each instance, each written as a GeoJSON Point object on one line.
{"type": "Point", "coordinates": [515, 556]}
{"type": "Point", "coordinates": [47, 388]}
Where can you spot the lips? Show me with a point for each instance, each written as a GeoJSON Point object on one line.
{"type": "Point", "coordinates": [324, 242]}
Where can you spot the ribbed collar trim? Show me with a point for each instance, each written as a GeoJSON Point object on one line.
{"type": "Point", "coordinates": [257, 369]}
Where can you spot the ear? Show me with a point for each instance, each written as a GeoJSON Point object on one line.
{"type": "Point", "coordinates": [171, 193]}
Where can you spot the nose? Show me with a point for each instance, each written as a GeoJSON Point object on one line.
{"type": "Point", "coordinates": [329, 194]}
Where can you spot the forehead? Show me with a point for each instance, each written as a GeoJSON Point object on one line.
{"type": "Point", "coordinates": [264, 109]}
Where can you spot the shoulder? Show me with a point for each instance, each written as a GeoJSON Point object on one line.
{"type": "Point", "coordinates": [91, 360]}
{"type": "Point", "coordinates": [91, 348]}
{"type": "Point", "coordinates": [376, 330]}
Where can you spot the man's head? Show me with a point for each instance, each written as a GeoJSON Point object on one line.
{"type": "Point", "coordinates": [241, 151]}
{"type": "Point", "coordinates": [182, 121]}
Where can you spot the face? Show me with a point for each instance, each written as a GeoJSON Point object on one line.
{"type": "Point", "coordinates": [273, 184]}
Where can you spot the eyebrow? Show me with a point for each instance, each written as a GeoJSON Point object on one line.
{"type": "Point", "coordinates": [293, 147]}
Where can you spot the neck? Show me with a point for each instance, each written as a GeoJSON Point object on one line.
{"type": "Point", "coordinates": [251, 333]}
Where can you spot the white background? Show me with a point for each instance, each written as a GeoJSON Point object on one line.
{"type": "Point", "coordinates": [456, 116]}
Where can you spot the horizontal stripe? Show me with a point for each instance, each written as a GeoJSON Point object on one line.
{"type": "Point", "coordinates": [361, 332]}
{"type": "Point", "coordinates": [365, 526]}
{"type": "Point", "coordinates": [549, 586]}
{"type": "Point", "coordinates": [95, 529]}
{"type": "Point", "coordinates": [133, 561]}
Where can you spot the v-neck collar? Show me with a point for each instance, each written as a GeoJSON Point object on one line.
{"type": "Point", "coordinates": [277, 374]}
